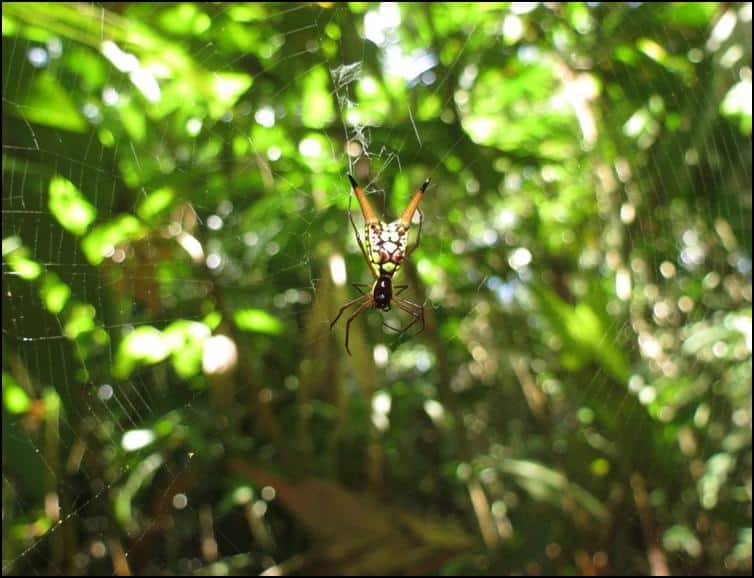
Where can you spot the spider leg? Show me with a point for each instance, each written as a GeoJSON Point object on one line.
{"type": "Point", "coordinates": [398, 290]}
{"type": "Point", "coordinates": [367, 304]}
{"type": "Point", "coordinates": [360, 287]}
{"type": "Point", "coordinates": [418, 235]}
{"type": "Point", "coordinates": [408, 302]}
{"type": "Point", "coordinates": [391, 328]}
{"type": "Point", "coordinates": [347, 305]}
{"type": "Point", "coordinates": [416, 317]}
{"type": "Point", "coordinates": [358, 239]}
{"type": "Point", "coordinates": [415, 310]}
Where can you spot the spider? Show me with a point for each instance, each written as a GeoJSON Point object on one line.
{"type": "Point", "coordinates": [385, 251]}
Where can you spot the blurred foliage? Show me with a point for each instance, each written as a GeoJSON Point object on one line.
{"type": "Point", "coordinates": [174, 215]}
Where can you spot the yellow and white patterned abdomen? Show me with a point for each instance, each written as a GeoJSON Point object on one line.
{"type": "Point", "coordinates": [386, 244]}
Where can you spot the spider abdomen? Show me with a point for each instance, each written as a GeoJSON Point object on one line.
{"type": "Point", "coordinates": [387, 246]}
{"type": "Point", "coordinates": [382, 293]}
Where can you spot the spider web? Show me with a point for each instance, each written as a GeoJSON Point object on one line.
{"type": "Point", "coordinates": [51, 353]}
{"type": "Point", "coordinates": [39, 343]}
{"type": "Point", "coordinates": [131, 404]}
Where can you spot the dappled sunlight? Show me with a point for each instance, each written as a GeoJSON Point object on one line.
{"type": "Point", "coordinates": [218, 360]}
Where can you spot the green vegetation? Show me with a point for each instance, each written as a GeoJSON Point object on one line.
{"type": "Point", "coordinates": [176, 242]}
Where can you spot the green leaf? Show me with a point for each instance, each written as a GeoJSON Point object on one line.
{"type": "Point", "coordinates": [317, 108]}
{"type": "Point", "coordinates": [80, 321]}
{"type": "Point", "coordinates": [186, 342]}
{"type": "Point", "coordinates": [10, 26]}
{"type": "Point", "coordinates": [103, 239]}
{"type": "Point", "coordinates": [11, 244]}
{"type": "Point", "coordinates": [72, 210]}
{"type": "Point", "coordinates": [690, 13]}
{"type": "Point", "coordinates": [155, 203]}
{"type": "Point", "coordinates": [185, 19]}
{"type": "Point", "coordinates": [582, 330]}
{"type": "Point", "coordinates": [680, 538]}
{"type": "Point", "coordinates": [15, 399]}
{"type": "Point", "coordinates": [213, 320]}
{"type": "Point", "coordinates": [258, 321]}
{"type": "Point", "coordinates": [140, 476]}
{"type": "Point", "coordinates": [134, 121]}
{"type": "Point", "coordinates": [546, 484]}
{"type": "Point", "coordinates": [24, 266]}
{"type": "Point", "coordinates": [145, 345]}
{"type": "Point", "coordinates": [737, 105]}
{"type": "Point", "coordinates": [227, 87]}
{"type": "Point", "coordinates": [54, 293]}
{"type": "Point", "coordinates": [47, 103]}
{"type": "Point", "coordinates": [52, 403]}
